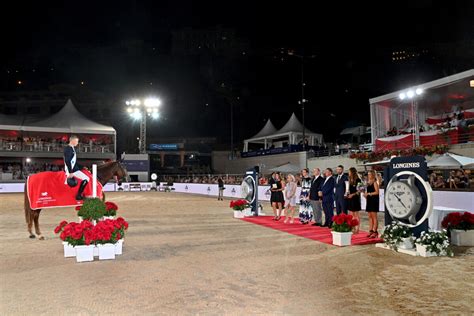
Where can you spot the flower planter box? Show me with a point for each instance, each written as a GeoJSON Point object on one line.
{"type": "Point", "coordinates": [462, 237]}
{"type": "Point", "coordinates": [239, 214]}
{"type": "Point", "coordinates": [119, 247]}
{"type": "Point", "coordinates": [407, 243]}
{"type": "Point", "coordinates": [247, 212]}
{"type": "Point", "coordinates": [84, 253]}
{"type": "Point", "coordinates": [94, 222]}
{"type": "Point", "coordinates": [69, 250]}
{"type": "Point", "coordinates": [421, 250]}
{"type": "Point", "coordinates": [341, 239]}
{"type": "Point", "coordinates": [106, 251]}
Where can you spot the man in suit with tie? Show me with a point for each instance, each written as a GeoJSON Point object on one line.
{"type": "Point", "coordinates": [327, 193]}
{"type": "Point", "coordinates": [314, 198]}
{"type": "Point", "coordinates": [342, 190]}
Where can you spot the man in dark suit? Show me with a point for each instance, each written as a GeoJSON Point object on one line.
{"type": "Point", "coordinates": [342, 190]}
{"type": "Point", "coordinates": [327, 193]}
{"type": "Point", "coordinates": [314, 198]}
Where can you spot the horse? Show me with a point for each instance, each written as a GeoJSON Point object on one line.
{"type": "Point", "coordinates": [105, 172]}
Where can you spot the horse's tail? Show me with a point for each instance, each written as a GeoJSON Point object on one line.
{"type": "Point", "coordinates": [27, 206]}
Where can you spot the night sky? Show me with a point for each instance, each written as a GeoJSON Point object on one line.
{"type": "Point", "coordinates": [353, 43]}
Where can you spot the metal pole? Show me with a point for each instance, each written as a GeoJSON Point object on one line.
{"type": "Point", "coordinates": [417, 127]}
{"type": "Point", "coordinates": [142, 144]}
{"type": "Point", "coordinates": [231, 131]}
{"type": "Point", "coordinates": [303, 100]}
{"type": "Point", "coordinates": [94, 180]}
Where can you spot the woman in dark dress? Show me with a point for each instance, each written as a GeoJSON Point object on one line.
{"type": "Point", "coordinates": [277, 199]}
{"type": "Point", "coordinates": [353, 199]}
{"type": "Point", "coordinates": [372, 207]}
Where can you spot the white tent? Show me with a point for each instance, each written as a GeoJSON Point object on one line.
{"type": "Point", "coordinates": [10, 122]}
{"type": "Point", "coordinates": [69, 120]}
{"type": "Point", "coordinates": [451, 161]}
{"type": "Point", "coordinates": [291, 131]}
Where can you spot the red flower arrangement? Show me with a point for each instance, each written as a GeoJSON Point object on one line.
{"type": "Point", "coordinates": [84, 233]}
{"type": "Point", "coordinates": [343, 223]}
{"type": "Point", "coordinates": [74, 233]}
{"type": "Point", "coordinates": [459, 221]}
{"type": "Point", "coordinates": [239, 205]}
{"type": "Point", "coordinates": [111, 209]}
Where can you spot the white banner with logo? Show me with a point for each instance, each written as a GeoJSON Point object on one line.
{"type": "Point", "coordinates": [454, 199]}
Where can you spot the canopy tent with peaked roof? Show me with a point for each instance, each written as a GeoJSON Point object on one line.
{"type": "Point", "coordinates": [292, 131]}
{"type": "Point", "coordinates": [67, 120]}
{"type": "Point", "coordinates": [451, 161]}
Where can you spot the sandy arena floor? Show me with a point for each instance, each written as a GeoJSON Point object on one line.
{"type": "Point", "coordinates": [185, 254]}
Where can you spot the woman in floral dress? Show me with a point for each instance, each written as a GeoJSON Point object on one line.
{"type": "Point", "coordinates": [306, 211]}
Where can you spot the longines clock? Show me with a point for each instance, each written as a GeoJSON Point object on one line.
{"type": "Point", "coordinates": [408, 196]}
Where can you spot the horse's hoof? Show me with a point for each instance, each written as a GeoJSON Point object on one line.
{"type": "Point", "coordinates": [32, 236]}
{"type": "Point", "coordinates": [41, 237]}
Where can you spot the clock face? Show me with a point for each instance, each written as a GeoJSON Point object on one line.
{"type": "Point", "coordinates": [408, 198]}
{"type": "Point", "coordinates": [248, 189]}
{"type": "Point", "coordinates": [401, 199]}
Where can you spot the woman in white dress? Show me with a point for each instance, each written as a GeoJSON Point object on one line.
{"type": "Point", "coordinates": [290, 198]}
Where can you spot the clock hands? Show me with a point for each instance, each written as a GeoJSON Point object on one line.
{"type": "Point", "coordinates": [399, 200]}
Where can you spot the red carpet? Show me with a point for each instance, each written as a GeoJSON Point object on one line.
{"type": "Point", "coordinates": [321, 234]}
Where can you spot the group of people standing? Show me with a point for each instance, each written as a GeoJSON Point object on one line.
{"type": "Point", "coordinates": [322, 193]}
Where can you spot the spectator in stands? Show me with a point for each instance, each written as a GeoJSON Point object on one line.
{"type": "Point", "coordinates": [439, 184]}
{"type": "Point", "coordinates": [406, 125]}
{"type": "Point", "coordinates": [433, 179]}
{"type": "Point", "coordinates": [463, 180]}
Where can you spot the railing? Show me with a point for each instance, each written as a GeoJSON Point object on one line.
{"type": "Point", "coordinates": [448, 137]}
{"type": "Point", "coordinates": [52, 147]}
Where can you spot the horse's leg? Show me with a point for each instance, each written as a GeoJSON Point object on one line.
{"type": "Point", "coordinates": [36, 218]}
{"type": "Point", "coordinates": [28, 213]}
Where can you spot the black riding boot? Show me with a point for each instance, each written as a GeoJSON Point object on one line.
{"type": "Point", "coordinates": [81, 189]}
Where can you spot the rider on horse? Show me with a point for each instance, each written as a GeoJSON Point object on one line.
{"type": "Point", "coordinates": [73, 168]}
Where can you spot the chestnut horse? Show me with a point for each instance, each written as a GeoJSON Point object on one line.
{"type": "Point", "coordinates": [105, 172]}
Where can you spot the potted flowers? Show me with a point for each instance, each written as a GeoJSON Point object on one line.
{"type": "Point", "coordinates": [238, 206]}
{"type": "Point", "coordinates": [110, 210]}
{"type": "Point", "coordinates": [105, 237]}
{"type": "Point", "coordinates": [342, 229]}
{"type": "Point", "coordinates": [433, 244]}
{"type": "Point", "coordinates": [69, 250]}
{"type": "Point", "coordinates": [461, 228]}
{"type": "Point", "coordinates": [78, 236]}
{"type": "Point", "coordinates": [397, 236]}
{"type": "Point", "coordinates": [93, 210]}
{"type": "Point", "coordinates": [120, 227]}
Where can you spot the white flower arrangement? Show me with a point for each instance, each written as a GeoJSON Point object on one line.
{"type": "Point", "coordinates": [437, 242]}
{"type": "Point", "coordinates": [394, 234]}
